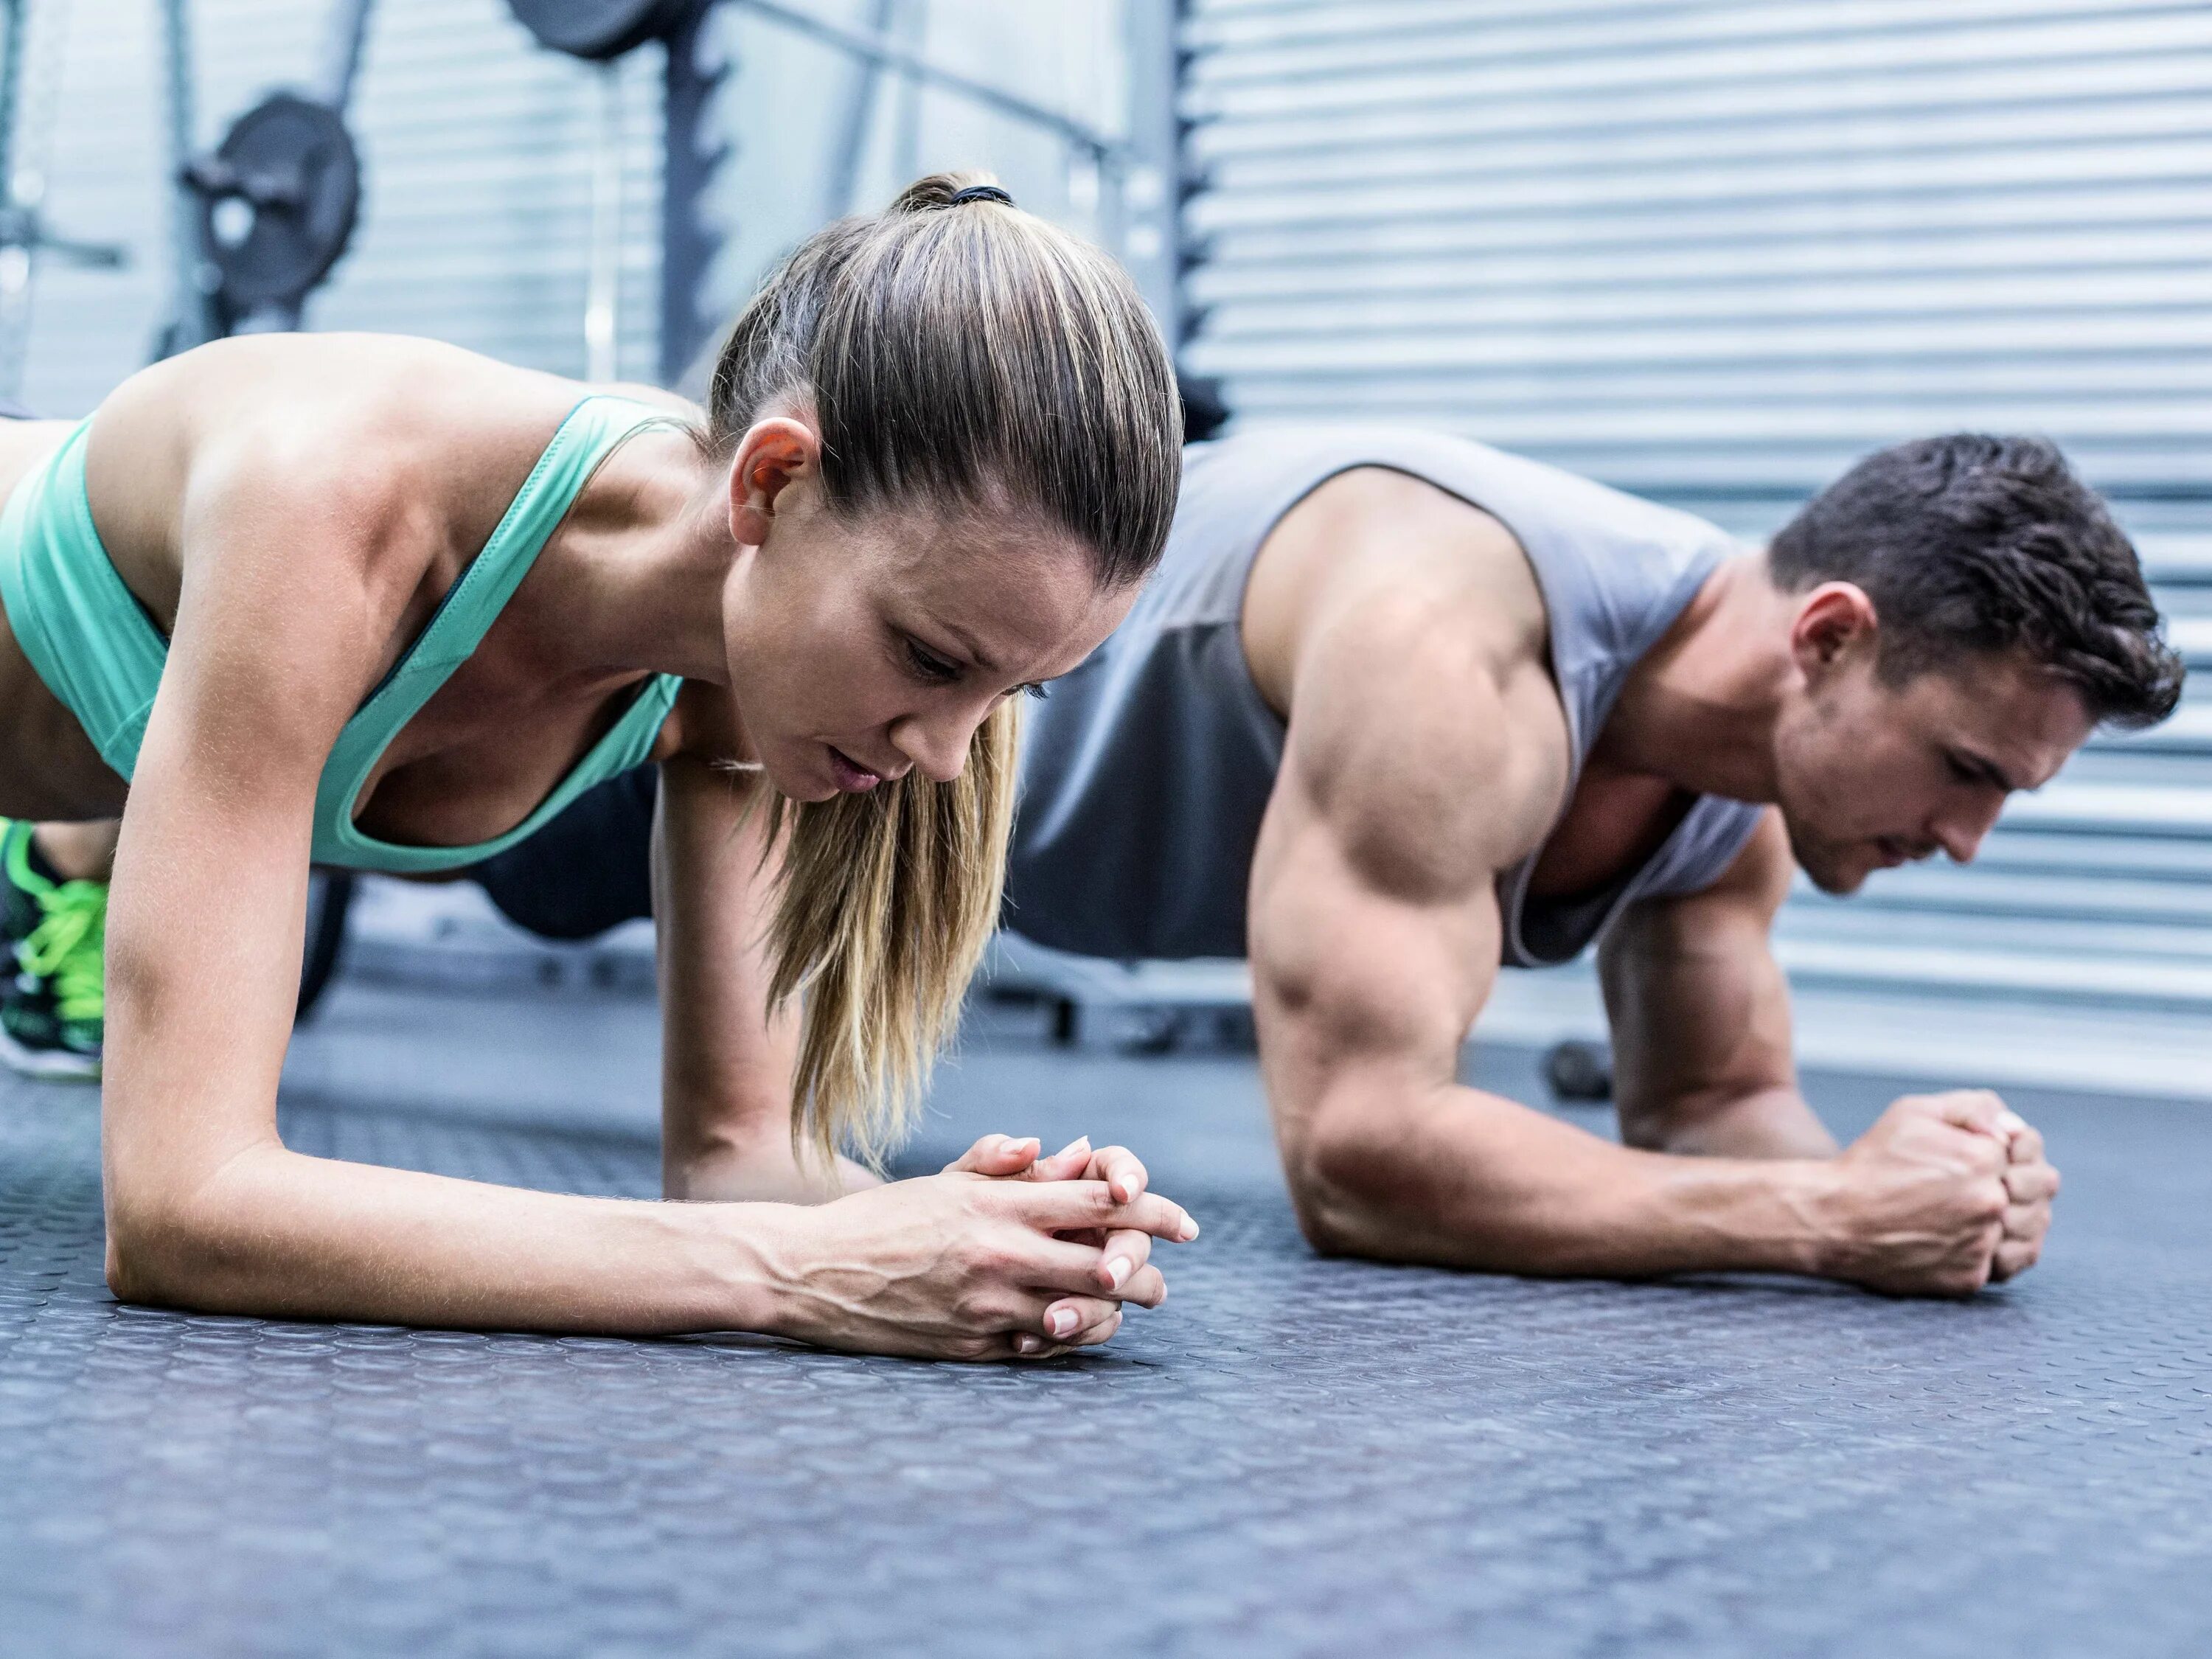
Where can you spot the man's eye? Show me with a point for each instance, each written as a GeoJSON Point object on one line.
{"type": "Point", "coordinates": [1960, 771]}
{"type": "Point", "coordinates": [931, 666]}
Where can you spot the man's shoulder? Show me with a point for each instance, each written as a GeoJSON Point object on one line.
{"type": "Point", "coordinates": [1407, 576]}
{"type": "Point", "coordinates": [1422, 719]}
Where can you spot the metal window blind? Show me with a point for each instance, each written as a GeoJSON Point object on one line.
{"type": "Point", "coordinates": [1713, 252]}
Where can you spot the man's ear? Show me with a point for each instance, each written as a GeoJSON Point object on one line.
{"type": "Point", "coordinates": [1833, 622]}
{"type": "Point", "coordinates": [773, 455]}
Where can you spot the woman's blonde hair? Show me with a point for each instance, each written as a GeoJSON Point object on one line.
{"type": "Point", "coordinates": [957, 355]}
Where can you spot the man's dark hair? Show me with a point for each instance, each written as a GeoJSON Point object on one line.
{"type": "Point", "coordinates": [1977, 544]}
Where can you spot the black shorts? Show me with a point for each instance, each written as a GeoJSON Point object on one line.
{"type": "Point", "coordinates": [588, 871]}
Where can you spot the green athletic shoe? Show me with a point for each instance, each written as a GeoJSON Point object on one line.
{"type": "Point", "coordinates": [51, 1009]}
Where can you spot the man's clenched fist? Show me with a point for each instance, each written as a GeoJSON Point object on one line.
{"type": "Point", "coordinates": [1943, 1194]}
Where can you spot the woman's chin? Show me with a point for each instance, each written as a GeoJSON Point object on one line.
{"type": "Point", "coordinates": [809, 787]}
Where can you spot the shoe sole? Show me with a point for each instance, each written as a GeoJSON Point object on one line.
{"type": "Point", "coordinates": [53, 1065]}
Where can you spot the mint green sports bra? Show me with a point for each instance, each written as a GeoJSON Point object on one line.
{"type": "Point", "coordinates": [92, 643]}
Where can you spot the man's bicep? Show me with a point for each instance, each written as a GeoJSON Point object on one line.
{"type": "Point", "coordinates": [1412, 772]}
{"type": "Point", "coordinates": [1355, 975]}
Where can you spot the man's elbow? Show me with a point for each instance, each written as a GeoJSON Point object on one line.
{"type": "Point", "coordinates": [1338, 1170]}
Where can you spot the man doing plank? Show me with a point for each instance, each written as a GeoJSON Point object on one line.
{"type": "Point", "coordinates": [1399, 709]}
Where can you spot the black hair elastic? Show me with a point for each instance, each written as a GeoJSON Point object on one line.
{"type": "Point", "coordinates": [981, 193]}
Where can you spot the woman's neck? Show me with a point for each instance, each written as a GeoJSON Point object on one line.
{"type": "Point", "coordinates": [644, 558]}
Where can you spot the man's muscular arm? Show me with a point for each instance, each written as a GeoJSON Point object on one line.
{"type": "Point", "coordinates": [1700, 1017]}
{"type": "Point", "coordinates": [1702, 1060]}
{"type": "Point", "coordinates": [1374, 934]}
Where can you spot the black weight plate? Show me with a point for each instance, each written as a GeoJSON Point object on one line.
{"type": "Point", "coordinates": [599, 30]}
{"type": "Point", "coordinates": [293, 180]}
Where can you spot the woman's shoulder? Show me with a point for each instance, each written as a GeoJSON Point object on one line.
{"type": "Point", "coordinates": [353, 424]}
{"type": "Point", "coordinates": [397, 454]}
{"type": "Point", "coordinates": [311, 402]}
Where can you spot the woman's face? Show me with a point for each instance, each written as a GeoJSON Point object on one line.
{"type": "Point", "coordinates": [860, 650]}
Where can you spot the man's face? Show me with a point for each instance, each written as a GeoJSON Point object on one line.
{"type": "Point", "coordinates": [1872, 774]}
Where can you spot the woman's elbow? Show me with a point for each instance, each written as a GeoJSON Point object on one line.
{"type": "Point", "coordinates": [151, 1247]}
{"type": "Point", "coordinates": [137, 1245]}
{"type": "Point", "coordinates": [166, 1242]}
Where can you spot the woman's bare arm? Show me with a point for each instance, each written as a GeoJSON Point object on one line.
{"type": "Point", "coordinates": [277, 638]}
{"type": "Point", "coordinates": [726, 1062]}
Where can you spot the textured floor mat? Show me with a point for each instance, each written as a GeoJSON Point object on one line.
{"type": "Point", "coordinates": [1294, 1456]}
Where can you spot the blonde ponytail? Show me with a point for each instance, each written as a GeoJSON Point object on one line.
{"type": "Point", "coordinates": [885, 901]}
{"type": "Point", "coordinates": [957, 354]}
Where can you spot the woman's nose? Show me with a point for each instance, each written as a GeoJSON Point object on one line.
{"type": "Point", "coordinates": [936, 742]}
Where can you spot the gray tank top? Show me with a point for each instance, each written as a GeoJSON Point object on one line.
{"type": "Point", "coordinates": [1144, 773]}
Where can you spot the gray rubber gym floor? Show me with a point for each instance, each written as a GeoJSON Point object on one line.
{"type": "Point", "coordinates": [1292, 1456]}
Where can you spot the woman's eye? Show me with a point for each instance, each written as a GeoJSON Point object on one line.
{"type": "Point", "coordinates": [1040, 692]}
{"type": "Point", "coordinates": [931, 666]}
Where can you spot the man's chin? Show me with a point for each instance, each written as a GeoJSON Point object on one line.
{"type": "Point", "coordinates": [1835, 878]}
{"type": "Point", "coordinates": [1830, 866]}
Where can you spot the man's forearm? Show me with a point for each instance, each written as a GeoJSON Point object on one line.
{"type": "Point", "coordinates": [1462, 1178]}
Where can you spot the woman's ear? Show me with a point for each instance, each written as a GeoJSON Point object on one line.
{"type": "Point", "coordinates": [773, 455]}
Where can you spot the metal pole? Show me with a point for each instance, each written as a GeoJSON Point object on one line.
{"type": "Point", "coordinates": [11, 78]}
{"type": "Point", "coordinates": [876, 49]}
{"type": "Point", "coordinates": [844, 179]}
{"type": "Point", "coordinates": [906, 157]}
{"type": "Point", "coordinates": [689, 164]}
{"type": "Point", "coordinates": [1150, 188]}
{"type": "Point", "coordinates": [603, 286]}
{"type": "Point", "coordinates": [341, 52]}
{"type": "Point", "coordinates": [191, 321]}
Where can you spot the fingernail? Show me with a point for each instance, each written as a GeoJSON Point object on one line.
{"type": "Point", "coordinates": [1060, 1322]}
{"type": "Point", "coordinates": [1080, 1144]}
{"type": "Point", "coordinates": [1026, 1343]}
{"type": "Point", "coordinates": [1189, 1230]}
{"type": "Point", "coordinates": [1117, 1270]}
{"type": "Point", "coordinates": [2012, 1123]}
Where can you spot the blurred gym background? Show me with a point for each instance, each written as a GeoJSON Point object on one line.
{"type": "Point", "coordinates": [1706, 249]}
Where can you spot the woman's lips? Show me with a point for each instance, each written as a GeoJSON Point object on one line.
{"type": "Point", "coordinates": [852, 777]}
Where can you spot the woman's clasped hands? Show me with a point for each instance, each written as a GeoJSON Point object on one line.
{"type": "Point", "coordinates": [1004, 1254]}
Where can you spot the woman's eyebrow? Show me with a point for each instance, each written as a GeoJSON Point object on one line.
{"type": "Point", "coordinates": [976, 654]}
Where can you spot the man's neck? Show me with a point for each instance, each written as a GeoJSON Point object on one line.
{"type": "Point", "coordinates": [1699, 710]}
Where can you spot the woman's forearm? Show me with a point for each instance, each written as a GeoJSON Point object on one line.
{"type": "Point", "coordinates": [956, 1266]}
{"type": "Point", "coordinates": [277, 1233]}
